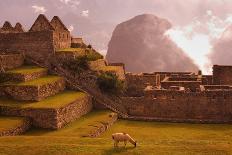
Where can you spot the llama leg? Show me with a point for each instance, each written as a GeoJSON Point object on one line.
{"type": "Point", "coordinates": [125, 142]}
{"type": "Point", "coordinates": [117, 143]}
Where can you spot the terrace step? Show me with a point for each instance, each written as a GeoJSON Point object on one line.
{"type": "Point", "coordinates": [53, 112]}
{"type": "Point", "coordinates": [12, 126]}
{"type": "Point", "coordinates": [34, 90]}
{"type": "Point", "coordinates": [24, 74]}
{"type": "Point", "coordinates": [10, 61]}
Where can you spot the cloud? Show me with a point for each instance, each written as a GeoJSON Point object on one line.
{"type": "Point", "coordinates": [85, 13]}
{"type": "Point", "coordinates": [39, 9]}
{"type": "Point", "coordinates": [71, 28]}
{"type": "Point", "coordinates": [197, 38]}
{"type": "Point", "coordinates": [72, 3]}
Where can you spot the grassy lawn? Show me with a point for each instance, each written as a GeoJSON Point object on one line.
{"type": "Point", "coordinates": [153, 138]}
{"type": "Point", "coordinates": [27, 70]}
{"type": "Point", "coordinates": [55, 101]}
{"type": "Point", "coordinates": [7, 123]}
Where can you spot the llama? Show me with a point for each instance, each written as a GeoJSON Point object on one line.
{"type": "Point", "coordinates": [122, 137]}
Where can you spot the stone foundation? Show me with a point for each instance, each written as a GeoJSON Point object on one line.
{"type": "Point", "coordinates": [103, 126]}
{"type": "Point", "coordinates": [11, 61]}
{"type": "Point", "coordinates": [49, 118]}
{"type": "Point", "coordinates": [17, 130]}
{"type": "Point", "coordinates": [35, 93]}
{"type": "Point", "coordinates": [18, 77]}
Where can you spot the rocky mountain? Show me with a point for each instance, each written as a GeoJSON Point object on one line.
{"type": "Point", "coordinates": [141, 43]}
{"type": "Point", "coordinates": [221, 53]}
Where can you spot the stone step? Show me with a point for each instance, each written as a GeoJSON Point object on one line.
{"type": "Point", "coordinates": [34, 90]}
{"type": "Point", "coordinates": [12, 126]}
{"type": "Point", "coordinates": [23, 74]}
{"type": "Point", "coordinates": [52, 113]}
{"type": "Point", "coordinates": [10, 61]}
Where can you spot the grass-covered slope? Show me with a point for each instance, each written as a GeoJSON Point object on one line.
{"type": "Point", "coordinates": [56, 101]}
{"type": "Point", "coordinates": [26, 70]}
{"type": "Point", "coordinates": [7, 123]}
{"type": "Point", "coordinates": [153, 138]}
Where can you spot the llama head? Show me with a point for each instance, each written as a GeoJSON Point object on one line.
{"type": "Point", "coordinates": [135, 143]}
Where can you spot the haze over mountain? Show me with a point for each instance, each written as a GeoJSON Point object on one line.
{"type": "Point", "coordinates": [222, 50]}
{"type": "Point", "coordinates": [142, 45]}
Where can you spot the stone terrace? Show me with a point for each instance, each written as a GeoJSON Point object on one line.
{"type": "Point", "coordinates": [29, 92]}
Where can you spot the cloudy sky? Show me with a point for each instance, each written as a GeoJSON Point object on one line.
{"type": "Point", "coordinates": [197, 25]}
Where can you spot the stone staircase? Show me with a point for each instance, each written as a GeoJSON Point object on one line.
{"type": "Point", "coordinates": [29, 91]}
{"type": "Point", "coordinates": [85, 82]}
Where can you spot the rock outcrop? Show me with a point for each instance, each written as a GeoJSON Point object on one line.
{"type": "Point", "coordinates": [221, 53]}
{"type": "Point", "coordinates": [142, 45]}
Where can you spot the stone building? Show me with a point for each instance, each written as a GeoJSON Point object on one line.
{"type": "Point", "coordinates": [40, 42]}
{"type": "Point", "coordinates": [181, 97]}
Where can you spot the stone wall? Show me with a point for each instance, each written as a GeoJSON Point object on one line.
{"type": "Point", "coordinates": [212, 106]}
{"type": "Point", "coordinates": [22, 77]}
{"type": "Point", "coordinates": [38, 45]}
{"type": "Point", "coordinates": [34, 93]}
{"type": "Point", "coordinates": [73, 111]}
{"type": "Point", "coordinates": [222, 75]}
{"type": "Point", "coordinates": [98, 64]}
{"type": "Point", "coordinates": [49, 118]}
{"type": "Point", "coordinates": [22, 128]}
{"type": "Point", "coordinates": [62, 39]}
{"type": "Point", "coordinates": [192, 85]}
{"type": "Point", "coordinates": [207, 79]}
{"type": "Point", "coordinates": [138, 82]}
{"type": "Point", "coordinates": [11, 61]}
{"type": "Point", "coordinates": [103, 126]}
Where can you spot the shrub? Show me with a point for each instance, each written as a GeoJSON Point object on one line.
{"type": "Point", "coordinates": [109, 83]}
{"type": "Point", "coordinates": [79, 64]}
{"type": "Point", "coordinates": [93, 56]}
{"type": "Point", "coordinates": [89, 46]}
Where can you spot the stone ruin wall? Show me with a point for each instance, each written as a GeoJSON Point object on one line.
{"type": "Point", "coordinates": [214, 106]}
{"type": "Point", "coordinates": [222, 75]}
{"type": "Point", "coordinates": [62, 39]}
{"type": "Point", "coordinates": [37, 45]}
{"type": "Point", "coordinates": [33, 93]}
{"type": "Point", "coordinates": [19, 77]}
{"type": "Point", "coordinates": [192, 85]}
{"type": "Point", "coordinates": [136, 83]}
{"type": "Point", "coordinates": [51, 118]}
{"type": "Point", "coordinates": [74, 111]}
{"type": "Point", "coordinates": [11, 61]}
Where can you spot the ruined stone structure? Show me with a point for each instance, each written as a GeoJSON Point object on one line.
{"type": "Point", "coordinates": [50, 96]}
{"type": "Point", "coordinates": [182, 97]}
{"type": "Point", "coordinates": [33, 83]}
{"type": "Point", "coordinates": [40, 42]}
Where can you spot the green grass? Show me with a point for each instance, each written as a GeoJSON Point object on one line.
{"type": "Point", "coordinates": [7, 123]}
{"type": "Point", "coordinates": [27, 70]}
{"type": "Point", "coordinates": [153, 138]}
{"type": "Point", "coordinates": [36, 82]}
{"type": "Point", "coordinates": [78, 50]}
{"type": "Point", "coordinates": [40, 81]}
{"type": "Point", "coordinates": [91, 54]}
{"type": "Point", "coordinates": [55, 101]}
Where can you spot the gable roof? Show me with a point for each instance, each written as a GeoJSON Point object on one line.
{"type": "Point", "coordinates": [41, 24]}
{"type": "Point", "coordinates": [56, 20]}
{"type": "Point", "coordinates": [7, 26]}
{"type": "Point", "coordinates": [18, 27]}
